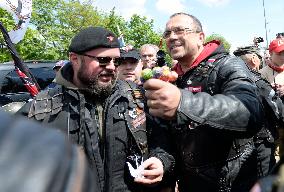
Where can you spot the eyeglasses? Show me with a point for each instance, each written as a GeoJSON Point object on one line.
{"type": "Point", "coordinates": [104, 61]}
{"type": "Point", "coordinates": [178, 31]}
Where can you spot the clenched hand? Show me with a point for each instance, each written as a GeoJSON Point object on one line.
{"type": "Point", "coordinates": [153, 171]}
{"type": "Point", "coordinates": [163, 98]}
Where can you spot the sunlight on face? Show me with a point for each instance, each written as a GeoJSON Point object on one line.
{"type": "Point", "coordinates": [93, 76]}
{"type": "Point", "coordinates": [183, 41]}
{"type": "Point", "coordinates": [130, 69]}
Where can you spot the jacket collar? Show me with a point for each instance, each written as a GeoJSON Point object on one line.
{"type": "Point", "coordinates": [210, 48]}
{"type": "Point", "coordinates": [64, 76]}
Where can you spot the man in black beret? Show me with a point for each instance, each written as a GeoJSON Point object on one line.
{"type": "Point", "coordinates": [105, 116]}
{"type": "Point", "coordinates": [131, 65]}
{"type": "Point", "coordinates": [265, 139]}
{"type": "Point", "coordinates": [250, 55]}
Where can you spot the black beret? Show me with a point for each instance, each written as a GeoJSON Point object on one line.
{"type": "Point", "coordinates": [92, 38]}
{"type": "Point", "coordinates": [132, 53]}
{"type": "Point", "coordinates": [247, 50]}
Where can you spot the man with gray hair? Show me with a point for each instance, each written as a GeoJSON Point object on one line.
{"type": "Point", "coordinates": [264, 141]}
{"type": "Point", "coordinates": [250, 55]}
{"type": "Point", "coordinates": [148, 54]}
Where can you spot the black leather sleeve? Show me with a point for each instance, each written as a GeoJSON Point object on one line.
{"type": "Point", "coordinates": [161, 147]}
{"type": "Point", "coordinates": [236, 107]}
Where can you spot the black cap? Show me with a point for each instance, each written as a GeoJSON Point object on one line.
{"type": "Point", "coordinates": [247, 50]}
{"type": "Point", "coordinates": [92, 38]}
{"type": "Point", "coordinates": [133, 53]}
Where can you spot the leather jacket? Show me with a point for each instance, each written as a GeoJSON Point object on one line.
{"type": "Point", "coordinates": [108, 145]}
{"type": "Point", "coordinates": [217, 117]}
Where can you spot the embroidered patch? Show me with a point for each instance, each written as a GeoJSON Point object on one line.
{"type": "Point", "coordinates": [135, 112]}
{"type": "Point", "coordinates": [196, 89]}
{"type": "Point", "coordinates": [211, 60]}
{"type": "Point", "coordinates": [137, 94]}
{"type": "Point", "coordinates": [141, 118]}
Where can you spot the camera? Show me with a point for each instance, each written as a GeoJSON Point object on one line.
{"type": "Point", "coordinates": [161, 61]}
{"type": "Point", "coordinates": [279, 35]}
{"type": "Point", "coordinates": [258, 40]}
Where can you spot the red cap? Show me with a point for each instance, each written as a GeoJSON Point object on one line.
{"type": "Point", "coordinates": [276, 45]}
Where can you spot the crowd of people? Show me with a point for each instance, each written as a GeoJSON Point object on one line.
{"type": "Point", "coordinates": [216, 128]}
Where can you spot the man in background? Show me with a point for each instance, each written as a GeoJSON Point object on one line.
{"type": "Point", "coordinates": [131, 66]}
{"type": "Point", "coordinates": [148, 54]}
{"type": "Point", "coordinates": [265, 140]}
{"type": "Point", "coordinates": [280, 35]}
{"type": "Point", "coordinates": [274, 71]}
{"type": "Point", "coordinates": [59, 64]}
{"type": "Point", "coordinates": [251, 56]}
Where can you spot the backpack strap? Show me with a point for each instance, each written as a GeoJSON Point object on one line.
{"type": "Point", "coordinates": [212, 71]}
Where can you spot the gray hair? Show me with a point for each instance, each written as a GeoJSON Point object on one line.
{"type": "Point", "coordinates": [145, 46]}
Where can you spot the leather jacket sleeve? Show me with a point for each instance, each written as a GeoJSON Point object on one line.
{"type": "Point", "coordinates": [160, 146]}
{"type": "Point", "coordinates": [234, 107]}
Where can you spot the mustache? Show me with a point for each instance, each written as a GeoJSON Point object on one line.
{"type": "Point", "coordinates": [107, 73]}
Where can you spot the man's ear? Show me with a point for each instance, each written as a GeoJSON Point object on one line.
{"type": "Point", "coordinates": [75, 61]}
{"type": "Point", "coordinates": [254, 60]}
{"type": "Point", "coordinates": [201, 38]}
{"type": "Point", "coordinates": [73, 57]}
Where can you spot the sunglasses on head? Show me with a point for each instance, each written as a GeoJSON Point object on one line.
{"type": "Point", "coordinates": [103, 61]}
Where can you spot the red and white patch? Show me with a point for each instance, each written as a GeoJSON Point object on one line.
{"type": "Point", "coordinates": [139, 120]}
{"type": "Point", "coordinates": [196, 89]}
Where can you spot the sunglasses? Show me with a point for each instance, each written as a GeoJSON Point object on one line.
{"type": "Point", "coordinates": [104, 61]}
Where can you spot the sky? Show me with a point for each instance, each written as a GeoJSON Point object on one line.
{"type": "Point", "coordinates": [238, 21]}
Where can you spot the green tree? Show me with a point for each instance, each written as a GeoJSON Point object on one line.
{"type": "Point", "coordinates": [112, 21]}
{"type": "Point", "coordinates": [58, 20]}
{"type": "Point", "coordinates": [54, 23]}
{"type": "Point", "coordinates": [220, 38]}
{"type": "Point", "coordinates": [141, 31]}
{"type": "Point", "coordinates": [7, 21]}
{"type": "Point", "coordinates": [137, 31]}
